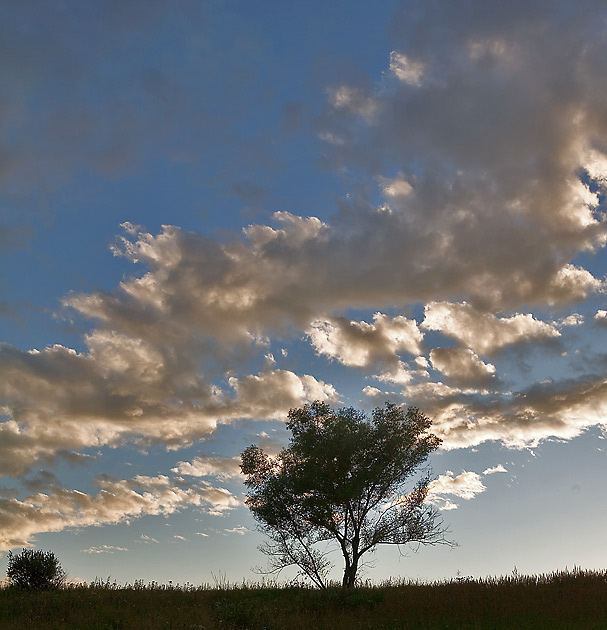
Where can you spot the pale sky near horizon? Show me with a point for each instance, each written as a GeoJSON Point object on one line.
{"type": "Point", "coordinates": [214, 211]}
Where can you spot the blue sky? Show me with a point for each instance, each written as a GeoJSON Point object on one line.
{"type": "Point", "coordinates": [212, 212]}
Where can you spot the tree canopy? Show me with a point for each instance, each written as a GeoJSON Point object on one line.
{"type": "Point", "coordinates": [342, 478]}
{"type": "Point", "coordinates": [34, 569]}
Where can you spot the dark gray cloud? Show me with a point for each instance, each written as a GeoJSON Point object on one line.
{"type": "Point", "coordinates": [504, 114]}
{"type": "Point", "coordinates": [462, 366]}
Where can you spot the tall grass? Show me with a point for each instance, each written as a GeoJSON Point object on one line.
{"type": "Point", "coordinates": [561, 600]}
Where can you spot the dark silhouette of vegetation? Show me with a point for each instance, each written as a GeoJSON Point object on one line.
{"type": "Point", "coordinates": [34, 569]}
{"type": "Point", "coordinates": [564, 600]}
{"type": "Point", "coordinates": [342, 479]}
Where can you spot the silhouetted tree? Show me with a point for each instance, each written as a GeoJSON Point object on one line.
{"type": "Point", "coordinates": [34, 569]}
{"type": "Point", "coordinates": [342, 478]}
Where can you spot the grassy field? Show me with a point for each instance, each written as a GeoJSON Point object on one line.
{"type": "Point", "coordinates": [569, 599]}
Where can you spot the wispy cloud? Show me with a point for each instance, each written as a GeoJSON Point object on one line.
{"type": "Point", "coordinates": [240, 531]}
{"type": "Point", "coordinates": [495, 469]}
{"type": "Point", "coordinates": [117, 501]}
{"type": "Point", "coordinates": [104, 549]}
{"type": "Point", "coordinates": [202, 466]}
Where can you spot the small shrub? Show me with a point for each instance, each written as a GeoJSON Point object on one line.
{"type": "Point", "coordinates": [34, 569]}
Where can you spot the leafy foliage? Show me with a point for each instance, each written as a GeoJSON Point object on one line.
{"type": "Point", "coordinates": [342, 479]}
{"type": "Point", "coordinates": [34, 569]}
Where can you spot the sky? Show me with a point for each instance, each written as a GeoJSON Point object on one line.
{"type": "Point", "coordinates": [214, 211]}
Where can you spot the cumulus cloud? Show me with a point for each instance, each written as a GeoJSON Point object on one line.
{"type": "Point", "coordinates": [117, 501]}
{"type": "Point", "coordinates": [553, 409]}
{"type": "Point", "coordinates": [575, 319]}
{"type": "Point", "coordinates": [484, 332]}
{"type": "Point", "coordinates": [126, 389]}
{"type": "Point", "coordinates": [272, 394]}
{"type": "Point", "coordinates": [202, 466]}
{"type": "Point", "coordinates": [372, 392]}
{"type": "Point", "coordinates": [600, 317]}
{"type": "Point", "coordinates": [462, 366]}
{"type": "Point", "coordinates": [395, 187]}
{"type": "Point", "coordinates": [243, 291]}
{"type": "Point", "coordinates": [400, 374]}
{"type": "Point", "coordinates": [359, 343]}
{"type": "Point", "coordinates": [491, 118]}
{"type": "Point", "coordinates": [465, 486]}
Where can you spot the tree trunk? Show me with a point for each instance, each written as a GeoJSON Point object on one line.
{"type": "Point", "coordinates": [350, 574]}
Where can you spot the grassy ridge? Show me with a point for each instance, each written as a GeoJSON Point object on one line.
{"type": "Point", "coordinates": [563, 600]}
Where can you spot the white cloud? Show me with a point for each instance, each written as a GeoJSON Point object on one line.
{"type": "Point", "coordinates": [520, 419]}
{"type": "Point", "coordinates": [104, 549]}
{"type": "Point", "coordinates": [575, 319]}
{"type": "Point", "coordinates": [430, 391]}
{"type": "Point", "coordinates": [240, 531]}
{"type": "Point", "coordinates": [406, 69]}
{"type": "Point", "coordinates": [465, 486]}
{"type": "Point", "coordinates": [400, 374]}
{"type": "Point", "coordinates": [126, 389]}
{"type": "Point", "coordinates": [422, 362]}
{"type": "Point", "coordinates": [359, 343]}
{"type": "Point", "coordinates": [396, 187]}
{"type": "Point", "coordinates": [445, 504]}
{"type": "Point", "coordinates": [203, 466]}
{"type": "Point", "coordinates": [117, 501]}
{"type": "Point", "coordinates": [484, 332]}
{"type": "Point", "coordinates": [601, 317]}
{"type": "Point", "coordinates": [495, 469]}
{"type": "Point", "coordinates": [271, 394]}
{"type": "Point", "coordinates": [297, 231]}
